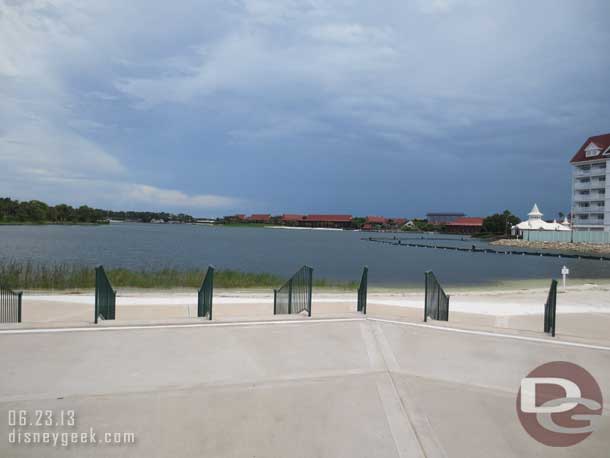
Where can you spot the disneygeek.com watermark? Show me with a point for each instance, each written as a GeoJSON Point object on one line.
{"type": "Point", "coordinates": [46, 427]}
{"type": "Point", "coordinates": [559, 404]}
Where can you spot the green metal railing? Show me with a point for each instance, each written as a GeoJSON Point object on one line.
{"type": "Point", "coordinates": [362, 290]}
{"type": "Point", "coordinates": [437, 302]}
{"type": "Point", "coordinates": [550, 309]}
{"type": "Point", "coordinates": [295, 295]}
{"type": "Point", "coordinates": [206, 292]}
{"type": "Point", "coordinates": [105, 296]}
{"type": "Point", "coordinates": [10, 305]}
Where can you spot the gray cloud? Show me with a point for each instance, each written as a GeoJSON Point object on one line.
{"type": "Point", "coordinates": [185, 96]}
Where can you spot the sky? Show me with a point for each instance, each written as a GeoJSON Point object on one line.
{"type": "Point", "coordinates": [212, 107]}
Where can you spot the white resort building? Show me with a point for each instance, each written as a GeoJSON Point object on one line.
{"type": "Point", "coordinates": [591, 185]}
{"type": "Point", "coordinates": [535, 222]}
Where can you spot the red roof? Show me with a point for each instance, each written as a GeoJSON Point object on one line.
{"type": "Point", "coordinates": [467, 221]}
{"type": "Point", "coordinates": [287, 217]}
{"type": "Point", "coordinates": [260, 217]}
{"type": "Point", "coordinates": [329, 218]}
{"type": "Point", "coordinates": [399, 221]}
{"type": "Point", "coordinates": [376, 220]}
{"type": "Point", "coordinates": [603, 141]}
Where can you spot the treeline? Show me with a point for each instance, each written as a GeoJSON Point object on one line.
{"type": "Point", "coordinates": [35, 211]}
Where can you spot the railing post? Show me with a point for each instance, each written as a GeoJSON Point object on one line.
{"type": "Point", "coordinates": [553, 305]}
{"type": "Point", "coordinates": [426, 298]}
{"type": "Point", "coordinates": [310, 289]}
{"type": "Point", "coordinates": [20, 294]}
{"type": "Point", "coordinates": [363, 290]}
{"type": "Point", "coordinates": [211, 271]}
{"type": "Point", "coordinates": [97, 305]}
{"type": "Point", "coordinates": [290, 296]}
{"type": "Point", "coordinates": [366, 287]}
{"type": "Point", "coordinates": [275, 301]}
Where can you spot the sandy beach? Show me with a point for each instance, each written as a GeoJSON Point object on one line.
{"type": "Point", "coordinates": [587, 298]}
{"type": "Point", "coordinates": [509, 307]}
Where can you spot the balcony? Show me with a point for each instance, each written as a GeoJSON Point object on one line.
{"type": "Point", "coordinates": [588, 224]}
{"type": "Point", "coordinates": [588, 218]}
{"type": "Point", "coordinates": [589, 210]}
{"type": "Point", "coordinates": [598, 171]}
{"type": "Point", "coordinates": [593, 198]}
{"type": "Point", "coordinates": [581, 185]}
{"type": "Point", "coordinates": [583, 197]}
{"type": "Point", "coordinates": [582, 172]}
{"type": "Point", "coordinates": [598, 184]}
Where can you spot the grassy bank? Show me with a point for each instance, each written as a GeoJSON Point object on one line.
{"type": "Point", "coordinates": [18, 275]}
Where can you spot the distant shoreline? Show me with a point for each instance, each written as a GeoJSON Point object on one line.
{"type": "Point", "coordinates": [50, 223]}
{"type": "Point", "coordinates": [334, 229]}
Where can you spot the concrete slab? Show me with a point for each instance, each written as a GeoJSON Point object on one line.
{"type": "Point", "coordinates": [327, 388]}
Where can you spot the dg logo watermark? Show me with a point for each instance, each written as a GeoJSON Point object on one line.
{"type": "Point", "coordinates": [559, 404]}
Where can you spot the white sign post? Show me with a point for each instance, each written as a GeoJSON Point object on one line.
{"type": "Point", "coordinates": [564, 273]}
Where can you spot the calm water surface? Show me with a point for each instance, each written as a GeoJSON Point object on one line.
{"type": "Point", "coordinates": [335, 255]}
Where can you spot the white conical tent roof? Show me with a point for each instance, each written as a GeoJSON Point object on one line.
{"type": "Point", "coordinates": [535, 213]}
{"type": "Point", "coordinates": [536, 223]}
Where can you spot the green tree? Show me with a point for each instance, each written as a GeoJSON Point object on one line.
{"type": "Point", "coordinates": [358, 222]}
{"type": "Point", "coordinates": [36, 211]}
{"type": "Point", "coordinates": [64, 212]}
{"type": "Point", "coordinates": [500, 223]}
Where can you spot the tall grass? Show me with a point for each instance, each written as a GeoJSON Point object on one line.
{"type": "Point", "coordinates": [28, 275]}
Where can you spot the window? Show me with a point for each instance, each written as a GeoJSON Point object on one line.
{"type": "Point", "coordinates": [592, 150]}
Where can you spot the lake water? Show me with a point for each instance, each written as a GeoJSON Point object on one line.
{"type": "Point", "coordinates": [334, 255]}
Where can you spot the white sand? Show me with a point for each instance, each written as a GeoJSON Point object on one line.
{"type": "Point", "coordinates": [589, 298]}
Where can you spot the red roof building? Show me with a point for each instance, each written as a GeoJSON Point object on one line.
{"type": "Point", "coordinates": [465, 225]}
{"type": "Point", "coordinates": [331, 221]}
{"type": "Point", "coordinates": [398, 221]}
{"type": "Point", "coordinates": [260, 218]}
{"type": "Point", "coordinates": [595, 148]}
{"type": "Point", "coordinates": [590, 175]}
{"type": "Point", "coordinates": [238, 217]}
{"type": "Point", "coordinates": [376, 220]}
{"type": "Point", "coordinates": [329, 218]}
{"type": "Point", "coordinates": [291, 218]}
